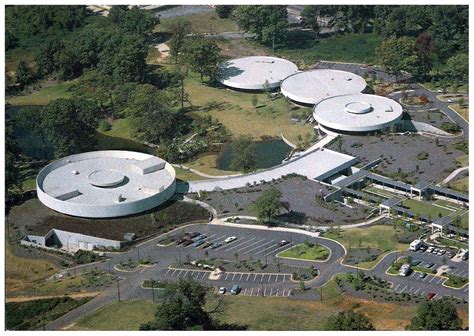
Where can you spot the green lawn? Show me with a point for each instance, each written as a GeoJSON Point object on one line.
{"type": "Point", "coordinates": [43, 96]}
{"type": "Point", "coordinates": [453, 243]}
{"type": "Point", "coordinates": [29, 184]}
{"type": "Point", "coordinates": [456, 281]}
{"type": "Point", "coordinates": [378, 236]}
{"type": "Point", "coordinates": [185, 175]}
{"type": "Point", "coordinates": [463, 160]}
{"type": "Point", "coordinates": [124, 315]}
{"type": "Point", "coordinates": [425, 208]}
{"type": "Point", "coordinates": [358, 48]}
{"type": "Point", "coordinates": [381, 192]}
{"type": "Point", "coordinates": [302, 251]}
{"type": "Point", "coordinates": [461, 185]}
{"type": "Point", "coordinates": [204, 23]}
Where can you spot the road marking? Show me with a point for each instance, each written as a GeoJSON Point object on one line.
{"type": "Point", "coordinates": [440, 279]}
{"type": "Point", "coordinates": [245, 291]}
{"type": "Point", "coordinates": [226, 275]}
{"type": "Point", "coordinates": [271, 291]}
{"type": "Point", "coordinates": [251, 291]}
{"type": "Point", "coordinates": [192, 273]}
{"type": "Point", "coordinates": [241, 275]}
{"type": "Point", "coordinates": [243, 243]}
{"type": "Point", "coordinates": [184, 276]}
{"type": "Point", "coordinates": [269, 277]}
{"type": "Point", "coordinates": [234, 276]}
{"type": "Point", "coordinates": [279, 248]}
{"type": "Point", "coordinates": [466, 289]}
{"type": "Point", "coordinates": [265, 249]}
{"type": "Point", "coordinates": [248, 276]}
{"type": "Point", "coordinates": [256, 248]}
{"type": "Point", "coordinates": [255, 277]}
{"type": "Point", "coordinates": [411, 288]}
{"type": "Point", "coordinates": [417, 291]}
{"type": "Point", "coordinates": [216, 239]}
{"type": "Point", "coordinates": [167, 272]}
{"type": "Point", "coordinates": [204, 275]}
{"type": "Point", "coordinates": [411, 276]}
{"type": "Point", "coordinates": [396, 288]}
{"type": "Point", "coordinates": [265, 291]}
{"type": "Point", "coordinates": [254, 243]}
{"type": "Point", "coordinates": [432, 279]}
{"type": "Point", "coordinates": [179, 273]}
{"type": "Point", "coordinates": [403, 289]}
{"type": "Point", "coordinates": [422, 293]}
{"type": "Point", "coordinates": [172, 274]}
{"type": "Point", "coordinates": [276, 278]}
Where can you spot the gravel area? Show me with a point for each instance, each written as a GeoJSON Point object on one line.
{"type": "Point", "coordinates": [423, 114]}
{"type": "Point", "coordinates": [401, 154]}
{"type": "Point", "coordinates": [299, 195]}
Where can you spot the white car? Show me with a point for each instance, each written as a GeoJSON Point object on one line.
{"type": "Point", "coordinates": [450, 100]}
{"type": "Point", "coordinates": [222, 290]}
{"type": "Point", "coordinates": [430, 249]}
{"type": "Point", "coordinates": [230, 239]}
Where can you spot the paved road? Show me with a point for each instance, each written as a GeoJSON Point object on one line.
{"type": "Point", "coordinates": [183, 11]}
{"type": "Point", "coordinates": [256, 243]}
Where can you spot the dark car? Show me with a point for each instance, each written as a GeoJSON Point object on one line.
{"type": "Point", "coordinates": [465, 256]}
{"type": "Point", "coordinates": [415, 262]}
{"type": "Point", "coordinates": [181, 240]}
{"type": "Point", "coordinates": [423, 248]}
{"type": "Point", "coordinates": [200, 237]}
{"type": "Point", "coordinates": [206, 245]}
{"type": "Point", "coordinates": [450, 255]}
{"type": "Point", "coordinates": [216, 245]}
{"type": "Point", "coordinates": [422, 275]}
{"type": "Point", "coordinates": [283, 243]}
{"type": "Point", "coordinates": [188, 242]}
{"type": "Point", "coordinates": [428, 265]}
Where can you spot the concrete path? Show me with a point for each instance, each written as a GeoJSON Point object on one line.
{"type": "Point", "coordinates": [197, 172]}
{"type": "Point", "coordinates": [454, 174]}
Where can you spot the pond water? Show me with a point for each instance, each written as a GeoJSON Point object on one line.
{"type": "Point", "coordinates": [269, 153]}
{"type": "Point", "coordinates": [30, 143]}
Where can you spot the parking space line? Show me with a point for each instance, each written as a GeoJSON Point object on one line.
{"type": "Point", "coordinates": [255, 277]}
{"type": "Point", "coordinates": [172, 274]}
{"type": "Point", "coordinates": [466, 290]}
{"type": "Point", "coordinates": [432, 279]}
{"type": "Point", "coordinates": [180, 271]}
{"type": "Point", "coordinates": [234, 276]}
{"type": "Point", "coordinates": [411, 276]}
{"type": "Point", "coordinates": [241, 275]}
{"type": "Point", "coordinates": [265, 291]}
{"type": "Point", "coordinates": [216, 239]}
{"type": "Point", "coordinates": [256, 248]}
{"type": "Point", "coordinates": [417, 291]}
{"type": "Point", "coordinates": [276, 277]}
{"type": "Point", "coordinates": [243, 243]}
{"type": "Point", "coordinates": [167, 272]}
{"type": "Point", "coordinates": [411, 288]}
{"type": "Point", "coordinates": [266, 249]}
{"type": "Point", "coordinates": [279, 248]}
{"type": "Point", "coordinates": [403, 289]}
{"type": "Point", "coordinates": [204, 275]}
{"type": "Point", "coordinates": [269, 277]}
{"type": "Point", "coordinates": [440, 279]}
{"type": "Point", "coordinates": [251, 291]}
{"type": "Point", "coordinates": [245, 291]}
{"type": "Point", "coordinates": [226, 275]}
{"type": "Point", "coordinates": [271, 291]}
{"type": "Point", "coordinates": [254, 243]}
{"type": "Point", "coordinates": [396, 287]}
{"type": "Point", "coordinates": [248, 276]}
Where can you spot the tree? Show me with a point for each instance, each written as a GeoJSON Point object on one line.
{"type": "Point", "coordinates": [457, 67]}
{"type": "Point", "coordinates": [268, 22]}
{"type": "Point", "coordinates": [23, 73]}
{"type": "Point", "coordinates": [12, 151]}
{"type": "Point", "coordinates": [203, 56]}
{"type": "Point", "coordinates": [243, 154]}
{"type": "Point", "coordinates": [224, 11]}
{"type": "Point", "coordinates": [134, 20]}
{"type": "Point", "coordinates": [268, 205]}
{"type": "Point", "coordinates": [397, 54]}
{"type": "Point", "coordinates": [348, 320]}
{"type": "Point", "coordinates": [179, 29]}
{"type": "Point", "coordinates": [424, 50]}
{"type": "Point", "coordinates": [150, 117]}
{"type": "Point", "coordinates": [436, 315]}
{"type": "Point", "coordinates": [310, 16]}
{"type": "Point", "coordinates": [70, 125]}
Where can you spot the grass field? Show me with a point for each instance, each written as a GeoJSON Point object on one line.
{"type": "Point", "coordinates": [381, 237]}
{"type": "Point", "coordinates": [425, 208]}
{"type": "Point", "coordinates": [454, 243]}
{"type": "Point", "coordinates": [463, 111]}
{"type": "Point", "coordinates": [204, 23]}
{"type": "Point", "coordinates": [463, 160]}
{"type": "Point", "coordinates": [358, 48]}
{"type": "Point", "coordinates": [124, 315]}
{"type": "Point", "coordinates": [237, 113]}
{"type": "Point", "coordinates": [461, 185]}
{"type": "Point", "coordinates": [29, 184]}
{"type": "Point", "coordinates": [207, 164]}
{"type": "Point", "coordinates": [381, 192]}
{"type": "Point", "coordinates": [302, 251]}
{"type": "Point", "coordinates": [185, 175]}
{"type": "Point", "coordinates": [43, 96]}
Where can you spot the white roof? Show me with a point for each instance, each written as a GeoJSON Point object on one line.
{"type": "Point", "coordinates": [252, 72]}
{"type": "Point", "coordinates": [357, 112]}
{"type": "Point", "coordinates": [310, 87]}
{"type": "Point", "coordinates": [104, 178]}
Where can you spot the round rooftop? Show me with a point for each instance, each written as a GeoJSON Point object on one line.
{"type": "Point", "coordinates": [251, 73]}
{"type": "Point", "coordinates": [105, 183]}
{"type": "Point", "coordinates": [357, 113]}
{"type": "Point", "coordinates": [310, 87]}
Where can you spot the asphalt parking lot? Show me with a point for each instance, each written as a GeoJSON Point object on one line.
{"type": "Point", "coordinates": [259, 291]}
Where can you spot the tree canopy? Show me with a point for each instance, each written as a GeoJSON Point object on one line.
{"type": "Point", "coordinates": [202, 55]}
{"type": "Point", "coordinates": [179, 29]}
{"type": "Point", "coordinates": [348, 320]}
{"type": "Point", "coordinates": [436, 315]}
{"type": "Point", "coordinates": [268, 204]}
{"type": "Point", "coordinates": [70, 125]}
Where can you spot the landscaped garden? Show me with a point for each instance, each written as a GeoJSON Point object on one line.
{"type": "Point", "coordinates": [455, 281]}
{"type": "Point", "coordinates": [306, 251]}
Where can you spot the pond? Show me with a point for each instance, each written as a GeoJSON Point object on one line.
{"type": "Point", "coordinates": [269, 153]}
{"type": "Point", "coordinates": [32, 144]}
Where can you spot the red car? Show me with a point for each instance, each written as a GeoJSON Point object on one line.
{"type": "Point", "coordinates": [430, 295]}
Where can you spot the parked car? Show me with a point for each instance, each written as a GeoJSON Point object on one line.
{"type": "Point", "coordinates": [450, 255]}
{"type": "Point", "coordinates": [423, 248]}
{"type": "Point", "coordinates": [198, 243]}
{"type": "Point", "coordinates": [435, 251]}
{"type": "Point", "coordinates": [235, 290]}
{"type": "Point", "coordinates": [465, 255]}
{"type": "Point", "coordinates": [187, 242]}
{"type": "Point", "coordinates": [283, 243]}
{"type": "Point", "coordinates": [206, 245]}
{"type": "Point", "coordinates": [415, 262]}
{"type": "Point", "coordinates": [216, 245]}
{"type": "Point", "coordinates": [404, 270]}
{"type": "Point", "coordinates": [428, 265]}
{"type": "Point", "coordinates": [191, 235]}
{"type": "Point", "coordinates": [230, 239]}
{"type": "Point", "coordinates": [200, 237]}
{"type": "Point", "coordinates": [222, 290]}
{"type": "Point", "coordinates": [181, 240]}
{"type": "Point", "coordinates": [430, 249]}
{"type": "Point", "coordinates": [430, 295]}
{"type": "Point", "coordinates": [441, 252]}
{"type": "Point", "coordinates": [422, 275]}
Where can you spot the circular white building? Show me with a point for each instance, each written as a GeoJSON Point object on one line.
{"type": "Point", "coordinates": [251, 73]}
{"type": "Point", "coordinates": [310, 87]}
{"type": "Point", "coordinates": [356, 113]}
{"type": "Point", "coordinates": [105, 184]}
